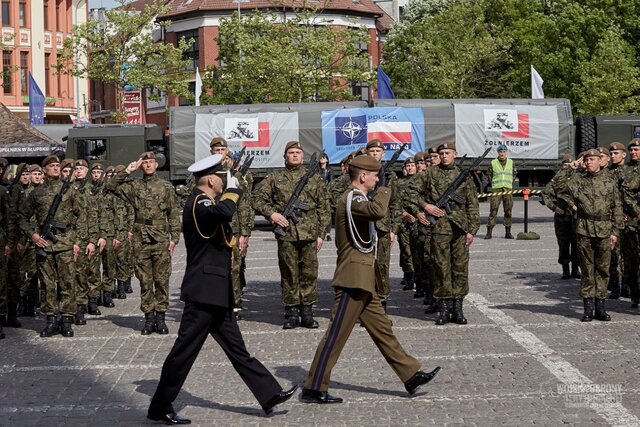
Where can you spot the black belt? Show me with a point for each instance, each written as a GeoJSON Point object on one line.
{"type": "Point", "coordinates": [583, 215]}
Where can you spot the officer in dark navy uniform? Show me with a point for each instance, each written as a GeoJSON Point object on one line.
{"type": "Point", "coordinates": [208, 297]}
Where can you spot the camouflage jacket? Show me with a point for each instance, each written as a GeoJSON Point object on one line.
{"type": "Point", "coordinates": [393, 218]}
{"type": "Point", "coordinates": [596, 200]}
{"type": "Point", "coordinates": [91, 206]}
{"type": "Point", "coordinates": [630, 191]}
{"type": "Point", "coordinates": [155, 205]}
{"type": "Point", "coordinates": [336, 189]}
{"type": "Point", "coordinates": [429, 186]}
{"type": "Point", "coordinates": [556, 186]}
{"type": "Point", "coordinates": [14, 195]}
{"type": "Point", "coordinates": [274, 192]}
{"type": "Point", "coordinates": [71, 213]}
{"type": "Point", "coordinates": [243, 219]}
{"type": "Point", "coordinates": [403, 197]}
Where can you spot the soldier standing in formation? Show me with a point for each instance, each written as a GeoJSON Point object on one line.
{"type": "Point", "coordinates": [9, 297]}
{"type": "Point", "coordinates": [501, 174]}
{"type": "Point", "coordinates": [155, 234]}
{"type": "Point", "coordinates": [124, 219]}
{"type": "Point", "coordinates": [629, 247]}
{"type": "Point", "coordinates": [298, 248]}
{"type": "Point", "coordinates": [404, 231]}
{"type": "Point", "coordinates": [618, 154]}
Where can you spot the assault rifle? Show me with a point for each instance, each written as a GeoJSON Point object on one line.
{"type": "Point", "coordinates": [293, 204]}
{"type": "Point", "coordinates": [236, 161]}
{"type": "Point", "coordinates": [382, 174]}
{"type": "Point", "coordinates": [246, 165]}
{"type": "Point", "coordinates": [50, 226]}
{"type": "Point", "coordinates": [449, 196]}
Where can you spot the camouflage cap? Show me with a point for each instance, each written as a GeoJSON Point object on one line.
{"type": "Point", "coordinates": [635, 142]}
{"type": "Point", "coordinates": [419, 157]}
{"type": "Point", "coordinates": [603, 150]}
{"type": "Point", "coordinates": [4, 162]}
{"type": "Point", "coordinates": [614, 146]}
{"type": "Point", "coordinates": [449, 145]}
{"type": "Point", "coordinates": [82, 163]}
{"type": "Point", "coordinates": [67, 164]}
{"type": "Point", "coordinates": [97, 167]}
{"type": "Point", "coordinates": [366, 163]}
{"type": "Point", "coordinates": [375, 143]}
{"type": "Point", "coordinates": [409, 160]}
{"type": "Point", "coordinates": [591, 153]}
{"type": "Point", "coordinates": [50, 159]}
{"type": "Point", "coordinates": [293, 144]}
{"type": "Point", "coordinates": [218, 141]}
{"type": "Point", "coordinates": [35, 168]}
{"type": "Point", "coordinates": [147, 155]}
{"type": "Point", "coordinates": [567, 158]}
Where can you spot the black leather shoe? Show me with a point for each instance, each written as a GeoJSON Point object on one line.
{"type": "Point", "coordinates": [171, 418]}
{"type": "Point", "coordinates": [278, 398]}
{"type": "Point", "coordinates": [418, 379]}
{"type": "Point", "coordinates": [315, 396]}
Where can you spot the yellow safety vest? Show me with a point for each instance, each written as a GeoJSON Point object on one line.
{"type": "Point", "coordinates": [502, 178]}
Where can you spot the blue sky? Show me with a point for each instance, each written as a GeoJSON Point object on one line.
{"type": "Point", "coordinates": [94, 4]}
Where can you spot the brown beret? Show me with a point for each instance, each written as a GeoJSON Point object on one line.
{"type": "Point", "coordinates": [449, 145]}
{"type": "Point", "coordinates": [616, 146]}
{"type": "Point", "coordinates": [366, 163]}
{"type": "Point", "coordinates": [35, 168]}
{"type": "Point", "coordinates": [432, 150]}
{"type": "Point", "coordinates": [82, 163]}
{"type": "Point", "coordinates": [23, 167]}
{"type": "Point", "coordinates": [292, 144]}
{"type": "Point", "coordinates": [591, 153]}
{"type": "Point", "coordinates": [603, 150]}
{"type": "Point", "coordinates": [567, 158]}
{"type": "Point", "coordinates": [581, 154]}
{"type": "Point", "coordinates": [359, 152]}
{"type": "Point", "coordinates": [110, 169]}
{"type": "Point", "coordinates": [4, 162]}
{"type": "Point", "coordinates": [97, 167]}
{"type": "Point", "coordinates": [218, 141]}
{"type": "Point", "coordinates": [50, 159]}
{"type": "Point", "coordinates": [147, 155]}
{"type": "Point", "coordinates": [120, 168]}
{"type": "Point", "coordinates": [375, 143]}
{"type": "Point", "coordinates": [635, 142]}
{"type": "Point", "coordinates": [419, 157]}
{"type": "Point", "coordinates": [67, 163]}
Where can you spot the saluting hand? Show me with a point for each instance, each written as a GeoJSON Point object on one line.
{"type": "Point", "coordinates": [133, 166]}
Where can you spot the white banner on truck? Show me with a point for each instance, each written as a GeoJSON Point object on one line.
{"type": "Point", "coordinates": [263, 134]}
{"type": "Point", "coordinates": [528, 131]}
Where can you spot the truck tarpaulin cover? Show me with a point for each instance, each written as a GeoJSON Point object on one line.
{"type": "Point", "coordinates": [263, 134]}
{"type": "Point", "coordinates": [530, 132]}
{"type": "Point", "coordinates": [348, 129]}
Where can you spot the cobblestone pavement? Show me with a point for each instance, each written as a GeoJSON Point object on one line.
{"type": "Point", "coordinates": [524, 359]}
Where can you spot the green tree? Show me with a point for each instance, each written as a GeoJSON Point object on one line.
{"type": "Point", "coordinates": [121, 50]}
{"type": "Point", "coordinates": [302, 59]}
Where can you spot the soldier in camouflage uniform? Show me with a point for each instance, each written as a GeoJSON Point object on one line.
{"type": "Point", "coordinates": [408, 222]}
{"type": "Point", "coordinates": [124, 219]}
{"type": "Point", "coordinates": [58, 262]}
{"type": "Point", "coordinates": [109, 232]}
{"type": "Point", "coordinates": [618, 155]}
{"type": "Point", "coordinates": [630, 248]}
{"type": "Point", "coordinates": [298, 248]}
{"type": "Point", "coordinates": [155, 234]}
{"type": "Point", "coordinates": [93, 196]}
{"type": "Point", "coordinates": [452, 233]}
{"type": "Point", "coordinates": [421, 162]}
{"type": "Point", "coordinates": [387, 228]}
{"type": "Point", "coordinates": [416, 240]}
{"type": "Point", "coordinates": [28, 267]}
{"type": "Point", "coordinates": [9, 292]}
{"type": "Point", "coordinates": [595, 198]}
{"type": "Point", "coordinates": [562, 217]}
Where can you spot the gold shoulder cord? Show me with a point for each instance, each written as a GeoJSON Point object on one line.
{"type": "Point", "coordinates": [230, 243]}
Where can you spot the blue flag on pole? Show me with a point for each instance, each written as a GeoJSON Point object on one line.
{"type": "Point", "coordinates": [384, 85]}
{"type": "Point", "coordinates": [36, 103]}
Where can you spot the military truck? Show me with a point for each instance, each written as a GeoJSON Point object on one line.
{"type": "Point", "coordinates": [600, 131]}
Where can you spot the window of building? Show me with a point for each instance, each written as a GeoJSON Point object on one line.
{"type": "Point", "coordinates": [6, 72]}
{"type": "Point", "coordinates": [47, 74]}
{"type": "Point", "coordinates": [193, 53]}
{"type": "Point", "coordinates": [360, 90]}
{"type": "Point", "coordinates": [6, 14]}
{"type": "Point", "coordinates": [24, 72]}
{"type": "Point", "coordinates": [22, 13]}
{"type": "Point", "coordinates": [45, 13]}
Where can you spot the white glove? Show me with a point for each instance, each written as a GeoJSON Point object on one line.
{"type": "Point", "coordinates": [232, 182]}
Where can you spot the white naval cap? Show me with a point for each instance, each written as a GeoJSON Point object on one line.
{"type": "Point", "coordinates": [207, 166]}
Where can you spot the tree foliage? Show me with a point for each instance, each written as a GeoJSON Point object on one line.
{"type": "Point", "coordinates": [121, 50]}
{"type": "Point", "coordinates": [303, 59]}
{"type": "Point", "coordinates": [586, 51]}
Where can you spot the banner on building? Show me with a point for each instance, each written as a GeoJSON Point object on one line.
{"type": "Point", "coordinates": [343, 131]}
{"type": "Point", "coordinates": [264, 135]}
{"type": "Point", "coordinates": [132, 103]}
{"type": "Point", "coordinates": [528, 131]}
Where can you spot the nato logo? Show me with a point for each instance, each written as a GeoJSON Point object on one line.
{"type": "Point", "coordinates": [351, 130]}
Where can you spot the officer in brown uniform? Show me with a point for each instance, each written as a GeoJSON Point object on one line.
{"type": "Point", "coordinates": [354, 284]}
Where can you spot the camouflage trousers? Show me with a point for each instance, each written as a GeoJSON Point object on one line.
{"type": "Point", "coordinates": [28, 271]}
{"type": "Point", "coordinates": [494, 203]}
{"type": "Point", "coordinates": [298, 262]}
{"type": "Point", "coordinates": [81, 279]}
{"type": "Point", "coordinates": [58, 268]}
{"type": "Point", "coordinates": [421, 252]}
{"type": "Point", "coordinates": [594, 254]}
{"type": "Point", "coordinates": [238, 266]}
{"type": "Point", "coordinates": [122, 260]}
{"type": "Point", "coordinates": [450, 257]}
{"type": "Point", "coordinates": [630, 259]}
{"type": "Point", "coordinates": [381, 264]}
{"type": "Point", "coordinates": [153, 270]}
{"type": "Point", "coordinates": [404, 241]}
{"type": "Point", "coordinates": [108, 267]}
{"type": "Point", "coordinates": [94, 276]}
{"type": "Point", "coordinates": [566, 237]}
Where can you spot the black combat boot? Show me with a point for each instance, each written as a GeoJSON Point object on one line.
{"type": "Point", "coordinates": [575, 271]}
{"type": "Point", "coordinates": [588, 310]}
{"type": "Point", "coordinates": [614, 287]}
{"type": "Point", "coordinates": [12, 315]}
{"type": "Point", "coordinates": [161, 327]}
{"type": "Point", "coordinates": [601, 312]}
{"type": "Point", "coordinates": [80, 311]}
{"type": "Point", "coordinates": [120, 293]}
{"type": "Point", "coordinates": [107, 300]}
{"type": "Point", "coordinates": [443, 312]}
{"type": "Point", "coordinates": [291, 317]}
{"type": "Point", "coordinates": [507, 233]}
{"type": "Point", "coordinates": [1, 333]}
{"type": "Point", "coordinates": [127, 286]}
{"type": "Point", "coordinates": [67, 321]}
{"type": "Point", "coordinates": [566, 274]}
{"type": "Point", "coordinates": [432, 306]}
{"type": "Point", "coordinates": [488, 235]}
{"type": "Point", "coordinates": [149, 323]}
{"type": "Point", "coordinates": [407, 281]}
{"type": "Point", "coordinates": [93, 307]}
{"type": "Point", "coordinates": [306, 317]}
{"type": "Point", "coordinates": [51, 328]}
{"type": "Point", "coordinates": [458, 315]}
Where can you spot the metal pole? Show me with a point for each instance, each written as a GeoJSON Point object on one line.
{"type": "Point", "coordinates": [526, 192]}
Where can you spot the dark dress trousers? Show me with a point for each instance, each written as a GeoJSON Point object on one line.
{"type": "Point", "coordinates": [206, 291]}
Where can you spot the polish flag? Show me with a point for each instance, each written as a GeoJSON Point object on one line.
{"type": "Point", "coordinates": [263, 137]}
{"type": "Point", "coordinates": [389, 131]}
